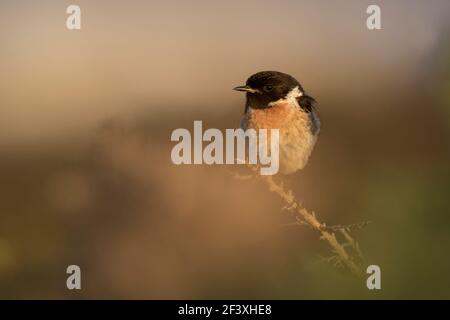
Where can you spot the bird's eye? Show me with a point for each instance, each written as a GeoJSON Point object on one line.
{"type": "Point", "coordinates": [268, 87]}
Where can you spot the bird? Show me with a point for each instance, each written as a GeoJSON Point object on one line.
{"type": "Point", "coordinates": [276, 100]}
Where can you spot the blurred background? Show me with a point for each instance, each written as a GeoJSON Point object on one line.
{"type": "Point", "coordinates": [85, 170]}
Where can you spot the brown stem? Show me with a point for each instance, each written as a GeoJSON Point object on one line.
{"type": "Point", "coordinates": [310, 219]}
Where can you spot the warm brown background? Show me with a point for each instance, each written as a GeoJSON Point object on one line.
{"type": "Point", "coordinates": [85, 170]}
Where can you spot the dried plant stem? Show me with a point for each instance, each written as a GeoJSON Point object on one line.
{"type": "Point", "coordinates": [304, 216]}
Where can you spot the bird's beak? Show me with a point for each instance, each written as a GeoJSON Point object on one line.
{"type": "Point", "coordinates": [245, 89]}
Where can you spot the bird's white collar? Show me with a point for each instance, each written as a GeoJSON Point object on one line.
{"type": "Point", "coordinates": [290, 98]}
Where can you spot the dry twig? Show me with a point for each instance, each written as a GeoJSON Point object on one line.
{"type": "Point", "coordinates": [303, 216]}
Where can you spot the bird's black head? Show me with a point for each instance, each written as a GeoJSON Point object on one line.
{"type": "Point", "coordinates": [265, 87]}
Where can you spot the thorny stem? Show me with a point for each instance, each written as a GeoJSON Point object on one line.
{"type": "Point", "coordinates": [304, 216]}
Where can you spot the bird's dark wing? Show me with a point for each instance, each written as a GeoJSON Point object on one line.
{"type": "Point", "coordinates": [308, 104]}
{"type": "Point", "coordinates": [315, 122]}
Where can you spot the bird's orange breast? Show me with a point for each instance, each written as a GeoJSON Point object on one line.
{"type": "Point", "coordinates": [274, 117]}
{"type": "Point", "coordinates": [296, 140]}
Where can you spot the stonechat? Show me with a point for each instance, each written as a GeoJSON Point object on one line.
{"type": "Point", "coordinates": [276, 100]}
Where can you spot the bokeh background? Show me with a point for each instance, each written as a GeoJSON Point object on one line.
{"type": "Point", "coordinates": [85, 170]}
